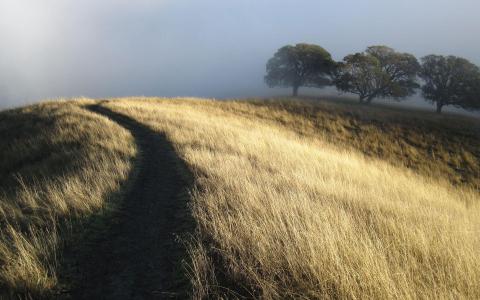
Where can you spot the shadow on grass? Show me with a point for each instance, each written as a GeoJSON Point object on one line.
{"type": "Point", "coordinates": [135, 252]}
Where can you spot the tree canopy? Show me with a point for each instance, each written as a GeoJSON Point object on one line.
{"type": "Point", "coordinates": [300, 65]}
{"type": "Point", "coordinates": [379, 72]}
{"type": "Point", "coordinates": [450, 80]}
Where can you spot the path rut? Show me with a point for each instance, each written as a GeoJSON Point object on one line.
{"type": "Point", "coordinates": [138, 256]}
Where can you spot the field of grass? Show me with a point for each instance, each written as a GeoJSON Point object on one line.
{"type": "Point", "coordinates": [287, 205]}
{"type": "Point", "coordinates": [59, 165]}
{"type": "Point", "coordinates": [291, 199]}
{"type": "Point", "coordinates": [445, 147]}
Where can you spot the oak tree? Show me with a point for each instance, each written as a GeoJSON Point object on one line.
{"type": "Point", "coordinates": [450, 80]}
{"type": "Point", "coordinates": [302, 65]}
{"type": "Point", "coordinates": [379, 72]}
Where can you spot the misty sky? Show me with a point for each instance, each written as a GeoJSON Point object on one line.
{"type": "Point", "coordinates": [208, 48]}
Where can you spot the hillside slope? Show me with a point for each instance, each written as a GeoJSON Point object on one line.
{"type": "Point", "coordinates": [60, 166]}
{"type": "Point", "coordinates": [290, 199]}
{"type": "Point", "coordinates": [446, 147]}
{"type": "Point", "coordinates": [282, 211]}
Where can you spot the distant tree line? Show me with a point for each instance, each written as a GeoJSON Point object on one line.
{"type": "Point", "coordinates": [378, 72]}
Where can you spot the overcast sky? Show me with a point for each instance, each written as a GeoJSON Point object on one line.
{"type": "Point", "coordinates": [209, 48]}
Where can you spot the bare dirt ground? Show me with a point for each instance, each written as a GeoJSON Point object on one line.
{"type": "Point", "coordinates": [138, 255]}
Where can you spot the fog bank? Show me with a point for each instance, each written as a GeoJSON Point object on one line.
{"type": "Point", "coordinates": [108, 48]}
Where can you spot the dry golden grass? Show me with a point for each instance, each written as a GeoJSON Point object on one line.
{"type": "Point", "coordinates": [291, 200]}
{"type": "Point", "coordinates": [59, 164]}
{"type": "Point", "coordinates": [282, 212]}
{"type": "Point", "coordinates": [445, 146]}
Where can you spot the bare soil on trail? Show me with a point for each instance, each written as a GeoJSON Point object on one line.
{"type": "Point", "coordinates": [138, 254]}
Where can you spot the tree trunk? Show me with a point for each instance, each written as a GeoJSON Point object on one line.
{"type": "Point", "coordinates": [439, 107]}
{"type": "Point", "coordinates": [366, 100]}
{"type": "Point", "coordinates": [295, 90]}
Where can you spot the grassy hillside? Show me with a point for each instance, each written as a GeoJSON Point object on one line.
{"type": "Point", "coordinates": [445, 147]}
{"type": "Point", "coordinates": [287, 206]}
{"type": "Point", "coordinates": [59, 164]}
{"type": "Point", "coordinates": [290, 199]}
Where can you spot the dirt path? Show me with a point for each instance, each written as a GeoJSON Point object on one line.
{"type": "Point", "coordinates": [138, 256]}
